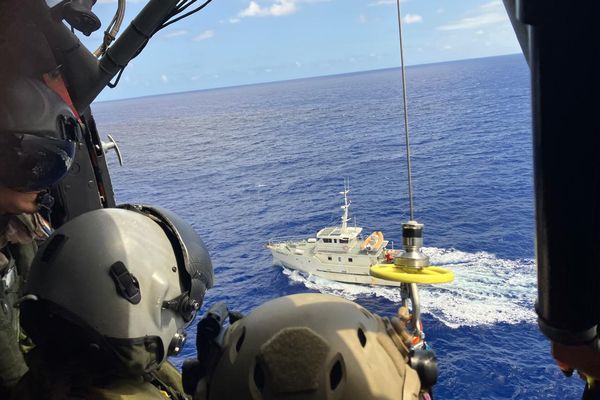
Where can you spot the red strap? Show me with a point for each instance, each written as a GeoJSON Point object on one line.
{"type": "Point", "coordinates": [57, 84]}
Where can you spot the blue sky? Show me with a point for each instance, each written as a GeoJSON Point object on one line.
{"type": "Point", "coordinates": [236, 42]}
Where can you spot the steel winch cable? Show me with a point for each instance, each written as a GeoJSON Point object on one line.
{"type": "Point", "coordinates": [405, 102]}
{"type": "Point", "coordinates": [412, 289]}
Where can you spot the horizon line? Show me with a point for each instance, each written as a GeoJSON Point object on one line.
{"type": "Point", "coordinates": [298, 79]}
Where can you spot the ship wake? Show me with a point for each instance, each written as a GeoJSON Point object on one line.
{"type": "Point", "coordinates": [486, 290]}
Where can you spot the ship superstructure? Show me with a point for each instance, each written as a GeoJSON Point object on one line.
{"type": "Point", "coordinates": [338, 253]}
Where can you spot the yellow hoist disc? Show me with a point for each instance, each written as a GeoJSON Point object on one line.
{"type": "Point", "coordinates": [427, 275]}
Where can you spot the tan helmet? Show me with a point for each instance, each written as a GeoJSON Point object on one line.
{"type": "Point", "coordinates": [311, 346]}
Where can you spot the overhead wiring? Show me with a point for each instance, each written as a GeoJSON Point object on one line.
{"type": "Point", "coordinates": [179, 9]}
{"type": "Point", "coordinates": [171, 18]}
{"type": "Point", "coordinates": [181, 6]}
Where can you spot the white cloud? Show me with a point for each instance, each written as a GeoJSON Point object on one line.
{"type": "Point", "coordinates": [382, 2]}
{"type": "Point", "coordinates": [204, 35]}
{"type": "Point", "coordinates": [474, 22]}
{"type": "Point", "coordinates": [385, 2]}
{"type": "Point", "coordinates": [412, 18]}
{"type": "Point", "coordinates": [253, 9]}
{"type": "Point", "coordinates": [486, 14]}
{"type": "Point", "coordinates": [277, 9]}
{"type": "Point", "coordinates": [273, 8]}
{"type": "Point", "coordinates": [164, 78]}
{"type": "Point", "coordinates": [232, 20]}
{"type": "Point", "coordinates": [493, 4]}
{"type": "Point", "coordinates": [173, 34]}
{"type": "Point", "coordinates": [362, 19]}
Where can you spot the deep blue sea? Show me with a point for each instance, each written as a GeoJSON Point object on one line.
{"type": "Point", "coordinates": [248, 164]}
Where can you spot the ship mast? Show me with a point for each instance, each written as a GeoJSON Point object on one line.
{"type": "Point", "coordinates": [345, 207]}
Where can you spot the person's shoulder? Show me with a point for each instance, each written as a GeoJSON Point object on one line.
{"type": "Point", "coordinates": [169, 375]}
{"type": "Point", "coordinates": [27, 220]}
{"type": "Point", "coordinates": [130, 389]}
{"type": "Point", "coordinates": [37, 227]}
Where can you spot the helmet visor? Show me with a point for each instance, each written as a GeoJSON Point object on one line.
{"type": "Point", "coordinates": [31, 162]}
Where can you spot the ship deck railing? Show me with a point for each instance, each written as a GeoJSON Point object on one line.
{"type": "Point", "coordinates": [294, 241]}
{"type": "Point", "coordinates": [287, 240]}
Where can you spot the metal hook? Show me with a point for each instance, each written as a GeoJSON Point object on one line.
{"type": "Point", "coordinates": [106, 146]}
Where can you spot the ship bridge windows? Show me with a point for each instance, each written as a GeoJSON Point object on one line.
{"type": "Point", "coordinates": [326, 240]}
{"type": "Point", "coordinates": [344, 241]}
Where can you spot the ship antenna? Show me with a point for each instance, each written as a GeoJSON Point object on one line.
{"type": "Point", "coordinates": [405, 102]}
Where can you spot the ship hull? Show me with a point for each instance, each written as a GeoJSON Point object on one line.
{"type": "Point", "coordinates": [337, 269]}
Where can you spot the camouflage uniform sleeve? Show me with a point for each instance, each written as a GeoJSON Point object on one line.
{"type": "Point", "coordinates": [18, 242]}
{"type": "Point", "coordinates": [27, 244]}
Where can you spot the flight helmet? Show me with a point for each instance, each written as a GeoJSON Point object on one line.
{"type": "Point", "coordinates": [38, 135]}
{"type": "Point", "coordinates": [117, 287]}
{"type": "Point", "coordinates": [311, 346]}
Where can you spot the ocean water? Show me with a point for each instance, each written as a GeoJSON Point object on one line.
{"type": "Point", "coordinates": [247, 164]}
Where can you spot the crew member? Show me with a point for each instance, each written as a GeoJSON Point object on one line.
{"type": "Point", "coordinates": [107, 301]}
{"type": "Point", "coordinates": [307, 346]}
{"type": "Point", "coordinates": [38, 132]}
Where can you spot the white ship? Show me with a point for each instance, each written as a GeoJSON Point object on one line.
{"type": "Point", "coordinates": [337, 253]}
